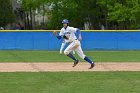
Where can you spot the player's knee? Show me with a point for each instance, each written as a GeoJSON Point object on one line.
{"type": "Point", "coordinates": [82, 56]}
{"type": "Point", "coordinates": [66, 52]}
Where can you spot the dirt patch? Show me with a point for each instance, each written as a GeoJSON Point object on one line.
{"type": "Point", "coordinates": [54, 67]}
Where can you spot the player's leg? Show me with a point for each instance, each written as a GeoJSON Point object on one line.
{"type": "Point", "coordinates": [62, 47]}
{"type": "Point", "coordinates": [73, 52]}
{"type": "Point", "coordinates": [79, 51]}
{"type": "Point", "coordinates": [67, 53]}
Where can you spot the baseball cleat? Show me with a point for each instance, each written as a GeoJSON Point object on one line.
{"type": "Point", "coordinates": [92, 65]}
{"type": "Point", "coordinates": [75, 63]}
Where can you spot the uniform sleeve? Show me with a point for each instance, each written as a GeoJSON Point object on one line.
{"type": "Point", "coordinates": [72, 29]}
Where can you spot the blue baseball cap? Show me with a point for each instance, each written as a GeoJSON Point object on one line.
{"type": "Point", "coordinates": [65, 21]}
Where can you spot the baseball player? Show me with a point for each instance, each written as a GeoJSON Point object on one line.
{"type": "Point", "coordinates": [69, 33]}
{"type": "Point", "coordinates": [63, 45]}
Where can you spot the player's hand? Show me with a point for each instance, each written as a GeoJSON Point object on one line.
{"type": "Point", "coordinates": [55, 33]}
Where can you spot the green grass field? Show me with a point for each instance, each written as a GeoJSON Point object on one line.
{"type": "Point", "coordinates": [54, 56]}
{"type": "Point", "coordinates": [70, 82]}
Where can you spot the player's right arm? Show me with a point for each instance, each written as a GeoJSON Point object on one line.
{"type": "Point", "coordinates": [59, 36]}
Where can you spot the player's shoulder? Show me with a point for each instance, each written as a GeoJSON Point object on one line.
{"type": "Point", "coordinates": [62, 29]}
{"type": "Point", "coordinates": [68, 28]}
{"type": "Point", "coordinates": [72, 28]}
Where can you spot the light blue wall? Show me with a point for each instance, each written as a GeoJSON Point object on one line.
{"type": "Point", "coordinates": [111, 40]}
{"type": "Point", "coordinates": [91, 41]}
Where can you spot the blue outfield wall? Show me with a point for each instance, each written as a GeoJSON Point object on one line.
{"type": "Point", "coordinates": [91, 41]}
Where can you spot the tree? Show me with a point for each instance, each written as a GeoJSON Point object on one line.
{"type": "Point", "coordinates": [112, 14]}
{"type": "Point", "coordinates": [64, 9]}
{"type": "Point", "coordinates": [124, 13]}
{"type": "Point", "coordinates": [30, 7]}
{"type": "Point", "coordinates": [6, 13]}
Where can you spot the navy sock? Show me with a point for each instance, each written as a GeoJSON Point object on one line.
{"type": "Point", "coordinates": [88, 60]}
{"type": "Point", "coordinates": [71, 56]}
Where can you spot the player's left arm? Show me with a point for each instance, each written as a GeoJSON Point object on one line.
{"type": "Point", "coordinates": [79, 34]}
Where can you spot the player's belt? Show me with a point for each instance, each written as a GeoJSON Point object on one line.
{"type": "Point", "coordinates": [72, 41]}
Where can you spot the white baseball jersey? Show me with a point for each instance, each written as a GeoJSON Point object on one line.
{"type": "Point", "coordinates": [69, 32]}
